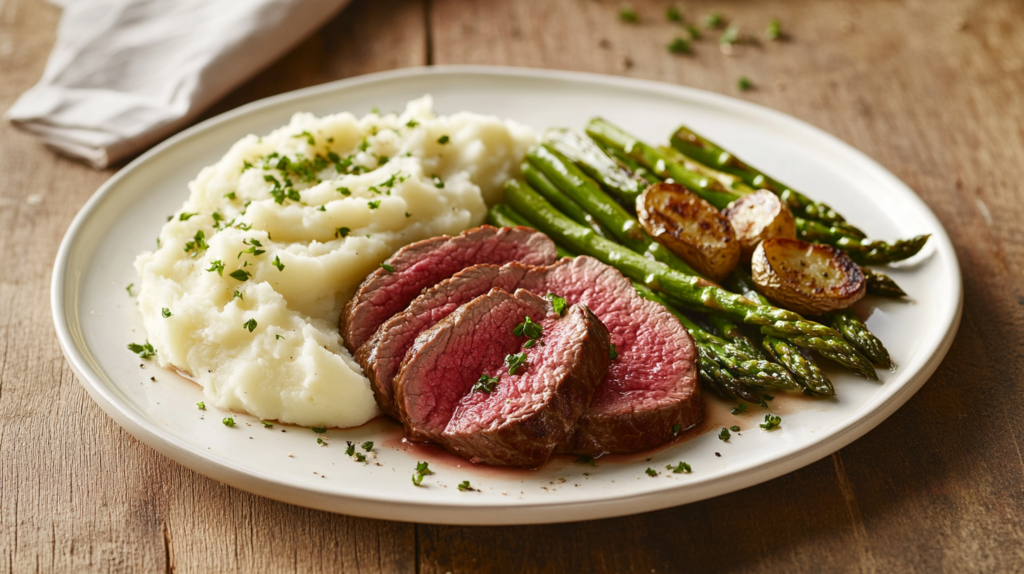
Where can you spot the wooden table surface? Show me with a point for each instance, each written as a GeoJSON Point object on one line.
{"type": "Point", "coordinates": [930, 89]}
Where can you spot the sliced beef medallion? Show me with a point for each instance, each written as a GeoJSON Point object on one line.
{"type": "Point", "coordinates": [381, 357]}
{"type": "Point", "coordinates": [423, 264]}
{"type": "Point", "coordinates": [465, 386]}
{"type": "Point", "coordinates": [650, 392]}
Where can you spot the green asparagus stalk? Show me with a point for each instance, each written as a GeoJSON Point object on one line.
{"type": "Point", "coordinates": [806, 372]}
{"type": "Point", "coordinates": [857, 333]}
{"type": "Point", "coordinates": [630, 164]}
{"type": "Point", "coordinates": [862, 251]}
{"type": "Point", "coordinates": [731, 332]}
{"type": "Point", "coordinates": [695, 146]}
{"type": "Point", "coordinates": [687, 288]}
{"type": "Point", "coordinates": [590, 158]}
{"type": "Point", "coordinates": [881, 285]}
{"type": "Point", "coordinates": [502, 215]}
{"type": "Point", "coordinates": [609, 136]}
{"type": "Point", "coordinates": [582, 190]}
{"type": "Point", "coordinates": [542, 185]}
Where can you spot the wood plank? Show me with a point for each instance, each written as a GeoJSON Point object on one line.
{"type": "Point", "coordinates": [938, 486]}
{"type": "Point", "coordinates": [77, 493]}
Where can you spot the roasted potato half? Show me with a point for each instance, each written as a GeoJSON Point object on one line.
{"type": "Point", "coordinates": [759, 216]}
{"type": "Point", "coordinates": [807, 278]}
{"type": "Point", "coordinates": [690, 227]}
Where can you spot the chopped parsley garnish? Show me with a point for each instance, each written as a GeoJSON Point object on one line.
{"type": "Point", "coordinates": [528, 328]}
{"type": "Point", "coordinates": [485, 383]}
{"type": "Point", "coordinates": [228, 422]}
{"type": "Point", "coordinates": [240, 274]}
{"type": "Point", "coordinates": [277, 263]}
{"type": "Point", "coordinates": [676, 428]}
{"type": "Point", "coordinates": [734, 428]}
{"type": "Point", "coordinates": [201, 405]}
{"type": "Point", "coordinates": [411, 123]}
{"type": "Point", "coordinates": [197, 245]}
{"type": "Point", "coordinates": [318, 430]}
{"type": "Point", "coordinates": [344, 191]}
{"type": "Point", "coordinates": [166, 312]}
{"type": "Point", "coordinates": [250, 324]}
{"type": "Point", "coordinates": [387, 267]}
{"type": "Point", "coordinates": [320, 441]}
{"type": "Point", "coordinates": [587, 460]}
{"type": "Point", "coordinates": [266, 424]}
{"type": "Point", "coordinates": [515, 362]}
{"type": "Point", "coordinates": [680, 468]}
{"type": "Point", "coordinates": [143, 351]}
{"type": "Point", "coordinates": [672, 14]}
{"type": "Point", "coordinates": [342, 232]}
{"type": "Point", "coordinates": [351, 450]}
{"type": "Point", "coordinates": [422, 469]}
{"type": "Point", "coordinates": [443, 139]}
{"type": "Point", "coordinates": [559, 303]}
{"type": "Point", "coordinates": [217, 266]}
{"type": "Point", "coordinates": [238, 294]}
{"type": "Point", "coordinates": [694, 31]}
{"type": "Point", "coordinates": [739, 408]}
{"type": "Point", "coordinates": [679, 46]}
{"type": "Point", "coordinates": [364, 145]}
{"type": "Point", "coordinates": [231, 195]}
{"type": "Point", "coordinates": [774, 31]}
{"type": "Point", "coordinates": [278, 337]}
{"type": "Point", "coordinates": [373, 204]}
{"type": "Point", "coordinates": [129, 288]}
{"type": "Point", "coordinates": [245, 165]}
{"type": "Point", "coordinates": [254, 245]}
{"type": "Point", "coordinates": [308, 136]}
{"type": "Point", "coordinates": [464, 486]}
{"type": "Point", "coordinates": [613, 353]}
{"type": "Point", "coordinates": [730, 36]}
{"type": "Point", "coordinates": [628, 14]}
{"type": "Point", "coordinates": [407, 214]}
{"type": "Point", "coordinates": [651, 472]}
{"type": "Point", "coordinates": [367, 446]}
{"type": "Point", "coordinates": [186, 216]}
{"type": "Point", "coordinates": [744, 84]}
{"type": "Point", "coordinates": [282, 192]}
{"type": "Point", "coordinates": [360, 457]}
{"type": "Point", "coordinates": [713, 20]}
{"type": "Point", "coordinates": [322, 208]}
{"type": "Point", "coordinates": [771, 421]}
{"type": "Point", "coordinates": [724, 434]}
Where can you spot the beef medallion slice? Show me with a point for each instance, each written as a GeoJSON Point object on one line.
{"type": "Point", "coordinates": [520, 418]}
{"type": "Point", "coordinates": [423, 264]}
{"type": "Point", "coordinates": [381, 357]}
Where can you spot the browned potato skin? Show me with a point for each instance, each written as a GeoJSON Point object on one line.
{"type": "Point", "coordinates": [759, 216]}
{"type": "Point", "coordinates": [807, 278]}
{"type": "Point", "coordinates": [690, 227]}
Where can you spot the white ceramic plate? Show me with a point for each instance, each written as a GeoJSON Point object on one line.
{"type": "Point", "coordinates": [95, 317]}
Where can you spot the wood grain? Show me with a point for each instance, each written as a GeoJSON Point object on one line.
{"type": "Point", "coordinates": [932, 90]}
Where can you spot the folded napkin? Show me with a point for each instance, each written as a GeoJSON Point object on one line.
{"type": "Point", "coordinates": [124, 74]}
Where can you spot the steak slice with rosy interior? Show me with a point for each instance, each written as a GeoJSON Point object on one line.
{"type": "Point", "coordinates": [649, 390]}
{"type": "Point", "coordinates": [423, 264]}
{"type": "Point", "coordinates": [381, 357]}
{"type": "Point", "coordinates": [526, 415]}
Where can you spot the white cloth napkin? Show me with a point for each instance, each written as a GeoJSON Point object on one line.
{"type": "Point", "coordinates": [124, 74]}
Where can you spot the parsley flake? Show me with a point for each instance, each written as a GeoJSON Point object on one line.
{"type": "Point", "coordinates": [437, 182]}
{"type": "Point", "coordinates": [186, 216]}
{"type": "Point", "coordinates": [740, 408]}
{"type": "Point", "coordinates": [351, 450]}
{"type": "Point", "coordinates": [724, 434]}
{"type": "Point", "coordinates": [201, 405]}
{"type": "Point", "coordinates": [342, 232]}
{"type": "Point", "coordinates": [680, 468]}
{"type": "Point", "coordinates": [411, 123]}
{"type": "Point", "coordinates": [277, 263]}
{"type": "Point", "coordinates": [318, 430]}
{"type": "Point", "coordinates": [443, 139]}
{"type": "Point", "coordinates": [217, 266]}
{"type": "Point", "coordinates": [744, 84]}
{"type": "Point", "coordinates": [464, 486]}
{"type": "Point", "coordinates": [322, 208]}
{"type": "Point", "coordinates": [730, 36]}
{"type": "Point", "coordinates": [613, 353]}
{"type": "Point", "coordinates": [485, 384]}
{"type": "Point", "coordinates": [713, 20]}
{"type": "Point", "coordinates": [308, 136]}
{"type": "Point", "coordinates": [559, 303]}
{"type": "Point", "coordinates": [166, 312]}
{"type": "Point", "coordinates": [373, 204]}
{"type": "Point", "coordinates": [771, 421]}
{"type": "Point", "coordinates": [240, 275]}
{"type": "Point", "coordinates": [676, 428]}
{"type": "Point", "coordinates": [672, 14]}
{"type": "Point", "coordinates": [679, 46]}
{"type": "Point", "coordinates": [344, 191]}
{"type": "Point", "coordinates": [278, 337]}
{"type": "Point", "coordinates": [143, 351]}
{"type": "Point", "coordinates": [129, 288]}
{"type": "Point", "coordinates": [422, 469]}
{"type": "Point", "coordinates": [651, 472]}
{"type": "Point", "coordinates": [528, 328]}
{"type": "Point", "coordinates": [734, 428]}
{"type": "Point", "coordinates": [228, 421]}
{"type": "Point", "coordinates": [231, 195]}
{"type": "Point", "coordinates": [238, 294]}
{"type": "Point", "coordinates": [387, 267]}
{"type": "Point", "coordinates": [367, 446]}
{"type": "Point", "coordinates": [774, 31]}
{"type": "Point", "coordinates": [250, 324]}
{"type": "Point", "coordinates": [360, 457]}
{"type": "Point", "coordinates": [628, 14]}
{"type": "Point", "coordinates": [515, 362]}
{"type": "Point", "coordinates": [197, 245]}
{"type": "Point", "coordinates": [267, 424]}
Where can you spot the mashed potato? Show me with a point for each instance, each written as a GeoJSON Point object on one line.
{"type": "Point", "coordinates": [246, 288]}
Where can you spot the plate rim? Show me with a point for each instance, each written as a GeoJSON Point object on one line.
{"type": "Point", "coordinates": [469, 513]}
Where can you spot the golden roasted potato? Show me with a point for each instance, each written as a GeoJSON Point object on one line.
{"type": "Point", "coordinates": [759, 216]}
{"type": "Point", "coordinates": [807, 278]}
{"type": "Point", "coordinates": [690, 227]}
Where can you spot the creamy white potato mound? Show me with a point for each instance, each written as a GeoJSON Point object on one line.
{"type": "Point", "coordinates": [247, 286]}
